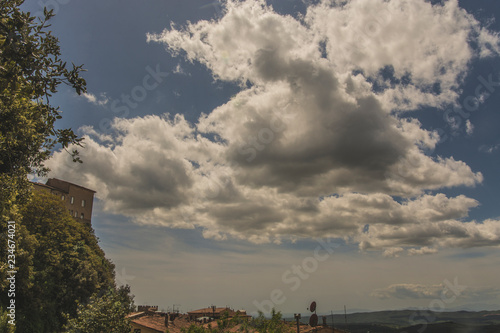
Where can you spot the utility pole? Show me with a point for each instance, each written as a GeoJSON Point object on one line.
{"type": "Point", "coordinates": [297, 317]}
{"type": "Point", "coordinates": [345, 316]}
{"type": "Point", "coordinates": [213, 310]}
{"type": "Point", "coordinates": [333, 326]}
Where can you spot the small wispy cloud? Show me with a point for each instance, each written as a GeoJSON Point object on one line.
{"type": "Point", "coordinates": [180, 70]}
{"type": "Point", "coordinates": [89, 131]}
{"type": "Point", "coordinates": [101, 100]}
{"type": "Point", "coordinates": [489, 149]}
{"type": "Point", "coordinates": [422, 251]}
{"type": "Point", "coordinates": [469, 128]}
{"type": "Point", "coordinates": [393, 252]}
{"type": "Point", "coordinates": [421, 291]}
{"type": "Point", "coordinates": [404, 291]}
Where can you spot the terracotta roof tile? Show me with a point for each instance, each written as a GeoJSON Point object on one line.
{"type": "Point", "coordinates": [156, 322]}
{"type": "Point", "coordinates": [209, 310]}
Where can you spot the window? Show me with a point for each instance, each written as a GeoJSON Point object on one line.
{"type": "Point", "coordinates": [76, 214]}
{"type": "Point", "coordinates": [81, 216]}
{"type": "Point", "coordinates": [63, 197]}
{"type": "Point", "coordinates": [83, 203]}
{"type": "Point", "coordinates": [72, 200]}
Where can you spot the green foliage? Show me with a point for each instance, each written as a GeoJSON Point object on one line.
{"type": "Point", "coordinates": [260, 324]}
{"type": "Point", "coordinates": [30, 72]}
{"type": "Point", "coordinates": [5, 327]}
{"type": "Point", "coordinates": [60, 265]}
{"type": "Point", "coordinates": [236, 320]}
{"type": "Point", "coordinates": [223, 321]}
{"type": "Point", "coordinates": [197, 329]}
{"type": "Point", "coordinates": [104, 313]}
{"type": "Point", "coordinates": [273, 325]}
{"type": "Point", "coordinates": [224, 324]}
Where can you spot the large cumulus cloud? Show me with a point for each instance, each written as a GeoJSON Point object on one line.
{"type": "Point", "coordinates": [308, 147]}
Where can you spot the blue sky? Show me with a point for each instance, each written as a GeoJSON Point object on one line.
{"type": "Point", "coordinates": [228, 141]}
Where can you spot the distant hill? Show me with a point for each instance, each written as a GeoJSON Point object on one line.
{"type": "Point", "coordinates": [413, 321]}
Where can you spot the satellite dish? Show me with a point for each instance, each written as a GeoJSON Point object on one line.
{"type": "Point", "coordinates": [312, 307]}
{"type": "Point", "coordinates": [313, 320]}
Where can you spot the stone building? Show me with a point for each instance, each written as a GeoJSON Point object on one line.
{"type": "Point", "coordinates": [77, 199]}
{"type": "Point", "coordinates": [215, 313]}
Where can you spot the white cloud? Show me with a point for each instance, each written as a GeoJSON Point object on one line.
{"type": "Point", "coordinates": [422, 250]}
{"type": "Point", "coordinates": [437, 291]}
{"type": "Point", "coordinates": [90, 97]}
{"type": "Point", "coordinates": [425, 46]}
{"type": "Point", "coordinates": [179, 70]}
{"type": "Point", "coordinates": [469, 128]}
{"type": "Point", "coordinates": [101, 100]}
{"type": "Point", "coordinates": [434, 233]}
{"type": "Point", "coordinates": [90, 131]}
{"type": "Point", "coordinates": [309, 149]}
{"type": "Point", "coordinates": [410, 291]}
{"type": "Point", "coordinates": [489, 149]}
{"type": "Point", "coordinates": [393, 252]}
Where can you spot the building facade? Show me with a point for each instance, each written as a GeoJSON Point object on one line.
{"type": "Point", "coordinates": [215, 313]}
{"type": "Point", "coordinates": [77, 199]}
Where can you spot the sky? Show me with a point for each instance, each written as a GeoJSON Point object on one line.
{"type": "Point", "coordinates": [259, 154]}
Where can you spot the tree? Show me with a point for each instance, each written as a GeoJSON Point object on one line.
{"type": "Point", "coordinates": [106, 313]}
{"type": "Point", "coordinates": [5, 327]}
{"type": "Point", "coordinates": [59, 262]}
{"type": "Point", "coordinates": [63, 268]}
{"type": "Point", "coordinates": [30, 72]}
{"type": "Point", "coordinates": [273, 325]}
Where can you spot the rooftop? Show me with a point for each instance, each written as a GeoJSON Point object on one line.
{"type": "Point", "coordinates": [156, 321]}
{"type": "Point", "coordinates": [210, 310]}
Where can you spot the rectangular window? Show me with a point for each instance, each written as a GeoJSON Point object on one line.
{"type": "Point", "coordinates": [72, 201]}
{"type": "Point", "coordinates": [81, 216]}
{"type": "Point", "coordinates": [83, 203]}
{"type": "Point", "coordinates": [76, 213]}
{"type": "Point", "coordinates": [63, 197]}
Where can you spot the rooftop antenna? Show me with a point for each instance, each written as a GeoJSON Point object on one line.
{"type": "Point", "coordinates": [213, 307]}
{"type": "Point", "coordinates": [313, 320]}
